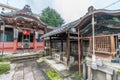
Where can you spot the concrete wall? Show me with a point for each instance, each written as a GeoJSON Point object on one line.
{"type": "Point", "coordinates": [98, 75]}
{"type": "Point", "coordinates": [106, 71]}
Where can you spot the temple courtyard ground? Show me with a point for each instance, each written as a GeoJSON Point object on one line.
{"type": "Point", "coordinates": [31, 67]}
{"type": "Point", "coordinates": [28, 70]}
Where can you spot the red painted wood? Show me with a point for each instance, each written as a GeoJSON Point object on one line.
{"type": "Point", "coordinates": [19, 45]}
{"type": "Point", "coordinates": [34, 42]}
{"type": "Point", "coordinates": [40, 45]}
{"type": "Point", "coordinates": [9, 46]}
{"type": "Point", "coordinates": [15, 44]}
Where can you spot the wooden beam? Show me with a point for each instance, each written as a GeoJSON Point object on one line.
{"type": "Point", "coordinates": [72, 37]}
{"type": "Point", "coordinates": [79, 51]}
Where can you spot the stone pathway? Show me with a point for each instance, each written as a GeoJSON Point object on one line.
{"type": "Point", "coordinates": [28, 70]}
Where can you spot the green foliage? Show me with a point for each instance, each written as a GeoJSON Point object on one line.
{"type": "Point", "coordinates": [118, 71]}
{"type": "Point", "coordinates": [84, 61]}
{"type": "Point", "coordinates": [76, 75]}
{"type": "Point", "coordinates": [4, 67]}
{"type": "Point", "coordinates": [51, 18]}
{"type": "Point", "coordinates": [1, 60]}
{"type": "Point", "coordinates": [53, 75]}
{"type": "Point", "coordinates": [7, 57]}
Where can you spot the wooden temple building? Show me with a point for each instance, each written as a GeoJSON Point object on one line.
{"type": "Point", "coordinates": [60, 41]}
{"type": "Point", "coordinates": [93, 40]}
{"type": "Point", "coordinates": [21, 29]}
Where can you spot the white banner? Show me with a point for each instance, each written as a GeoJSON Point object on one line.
{"type": "Point", "coordinates": [15, 33]}
{"type": "Point", "coordinates": [36, 35]}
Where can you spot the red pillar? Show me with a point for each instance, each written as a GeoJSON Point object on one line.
{"type": "Point", "coordinates": [34, 43]}
{"type": "Point", "coordinates": [15, 44]}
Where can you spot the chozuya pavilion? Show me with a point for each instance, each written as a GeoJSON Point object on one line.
{"type": "Point", "coordinates": [21, 30]}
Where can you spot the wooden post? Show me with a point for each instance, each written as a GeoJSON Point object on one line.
{"type": "Point", "coordinates": [93, 35]}
{"type": "Point", "coordinates": [79, 51]}
{"type": "Point", "coordinates": [90, 43]}
{"type": "Point", "coordinates": [45, 31]}
{"type": "Point", "coordinates": [68, 48]}
{"type": "Point", "coordinates": [50, 47]}
{"type": "Point", "coordinates": [112, 44]}
{"type": "Point", "coordinates": [15, 39]}
{"type": "Point", "coordinates": [35, 42]}
{"type": "Point", "coordinates": [61, 45]}
{"type": "Point", "coordinates": [15, 44]}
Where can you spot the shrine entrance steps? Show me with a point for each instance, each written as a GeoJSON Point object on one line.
{"type": "Point", "coordinates": [21, 57]}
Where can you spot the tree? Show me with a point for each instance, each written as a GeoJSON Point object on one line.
{"type": "Point", "coordinates": [51, 18]}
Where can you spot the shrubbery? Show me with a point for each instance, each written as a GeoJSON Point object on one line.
{"type": "Point", "coordinates": [5, 63]}
{"type": "Point", "coordinates": [4, 67]}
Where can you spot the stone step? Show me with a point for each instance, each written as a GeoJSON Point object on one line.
{"type": "Point", "coordinates": [26, 56]}
{"type": "Point", "coordinates": [19, 59]}
{"type": "Point", "coordinates": [25, 60]}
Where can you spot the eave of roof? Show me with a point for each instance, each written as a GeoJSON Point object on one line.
{"type": "Point", "coordinates": [7, 6]}
{"type": "Point", "coordinates": [95, 12]}
{"type": "Point", "coordinates": [62, 29]}
{"type": "Point", "coordinates": [26, 13]}
{"type": "Point", "coordinates": [80, 22]}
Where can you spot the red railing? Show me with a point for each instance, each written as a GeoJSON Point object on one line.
{"type": "Point", "coordinates": [40, 45]}
{"type": "Point", "coordinates": [8, 46]}
{"type": "Point", "coordinates": [20, 45]}
{"type": "Point", "coordinates": [31, 45]}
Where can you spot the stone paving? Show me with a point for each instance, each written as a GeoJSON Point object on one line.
{"type": "Point", "coordinates": [58, 66]}
{"type": "Point", "coordinates": [28, 70]}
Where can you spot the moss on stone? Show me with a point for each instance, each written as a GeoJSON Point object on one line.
{"type": "Point", "coordinates": [53, 75]}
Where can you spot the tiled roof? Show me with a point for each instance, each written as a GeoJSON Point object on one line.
{"type": "Point", "coordinates": [61, 29]}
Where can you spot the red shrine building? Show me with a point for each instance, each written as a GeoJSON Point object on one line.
{"type": "Point", "coordinates": [21, 30]}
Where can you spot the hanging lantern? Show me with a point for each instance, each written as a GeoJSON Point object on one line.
{"type": "Point", "coordinates": [26, 32]}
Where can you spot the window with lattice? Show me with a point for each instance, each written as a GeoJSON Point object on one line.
{"type": "Point", "coordinates": [103, 44]}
